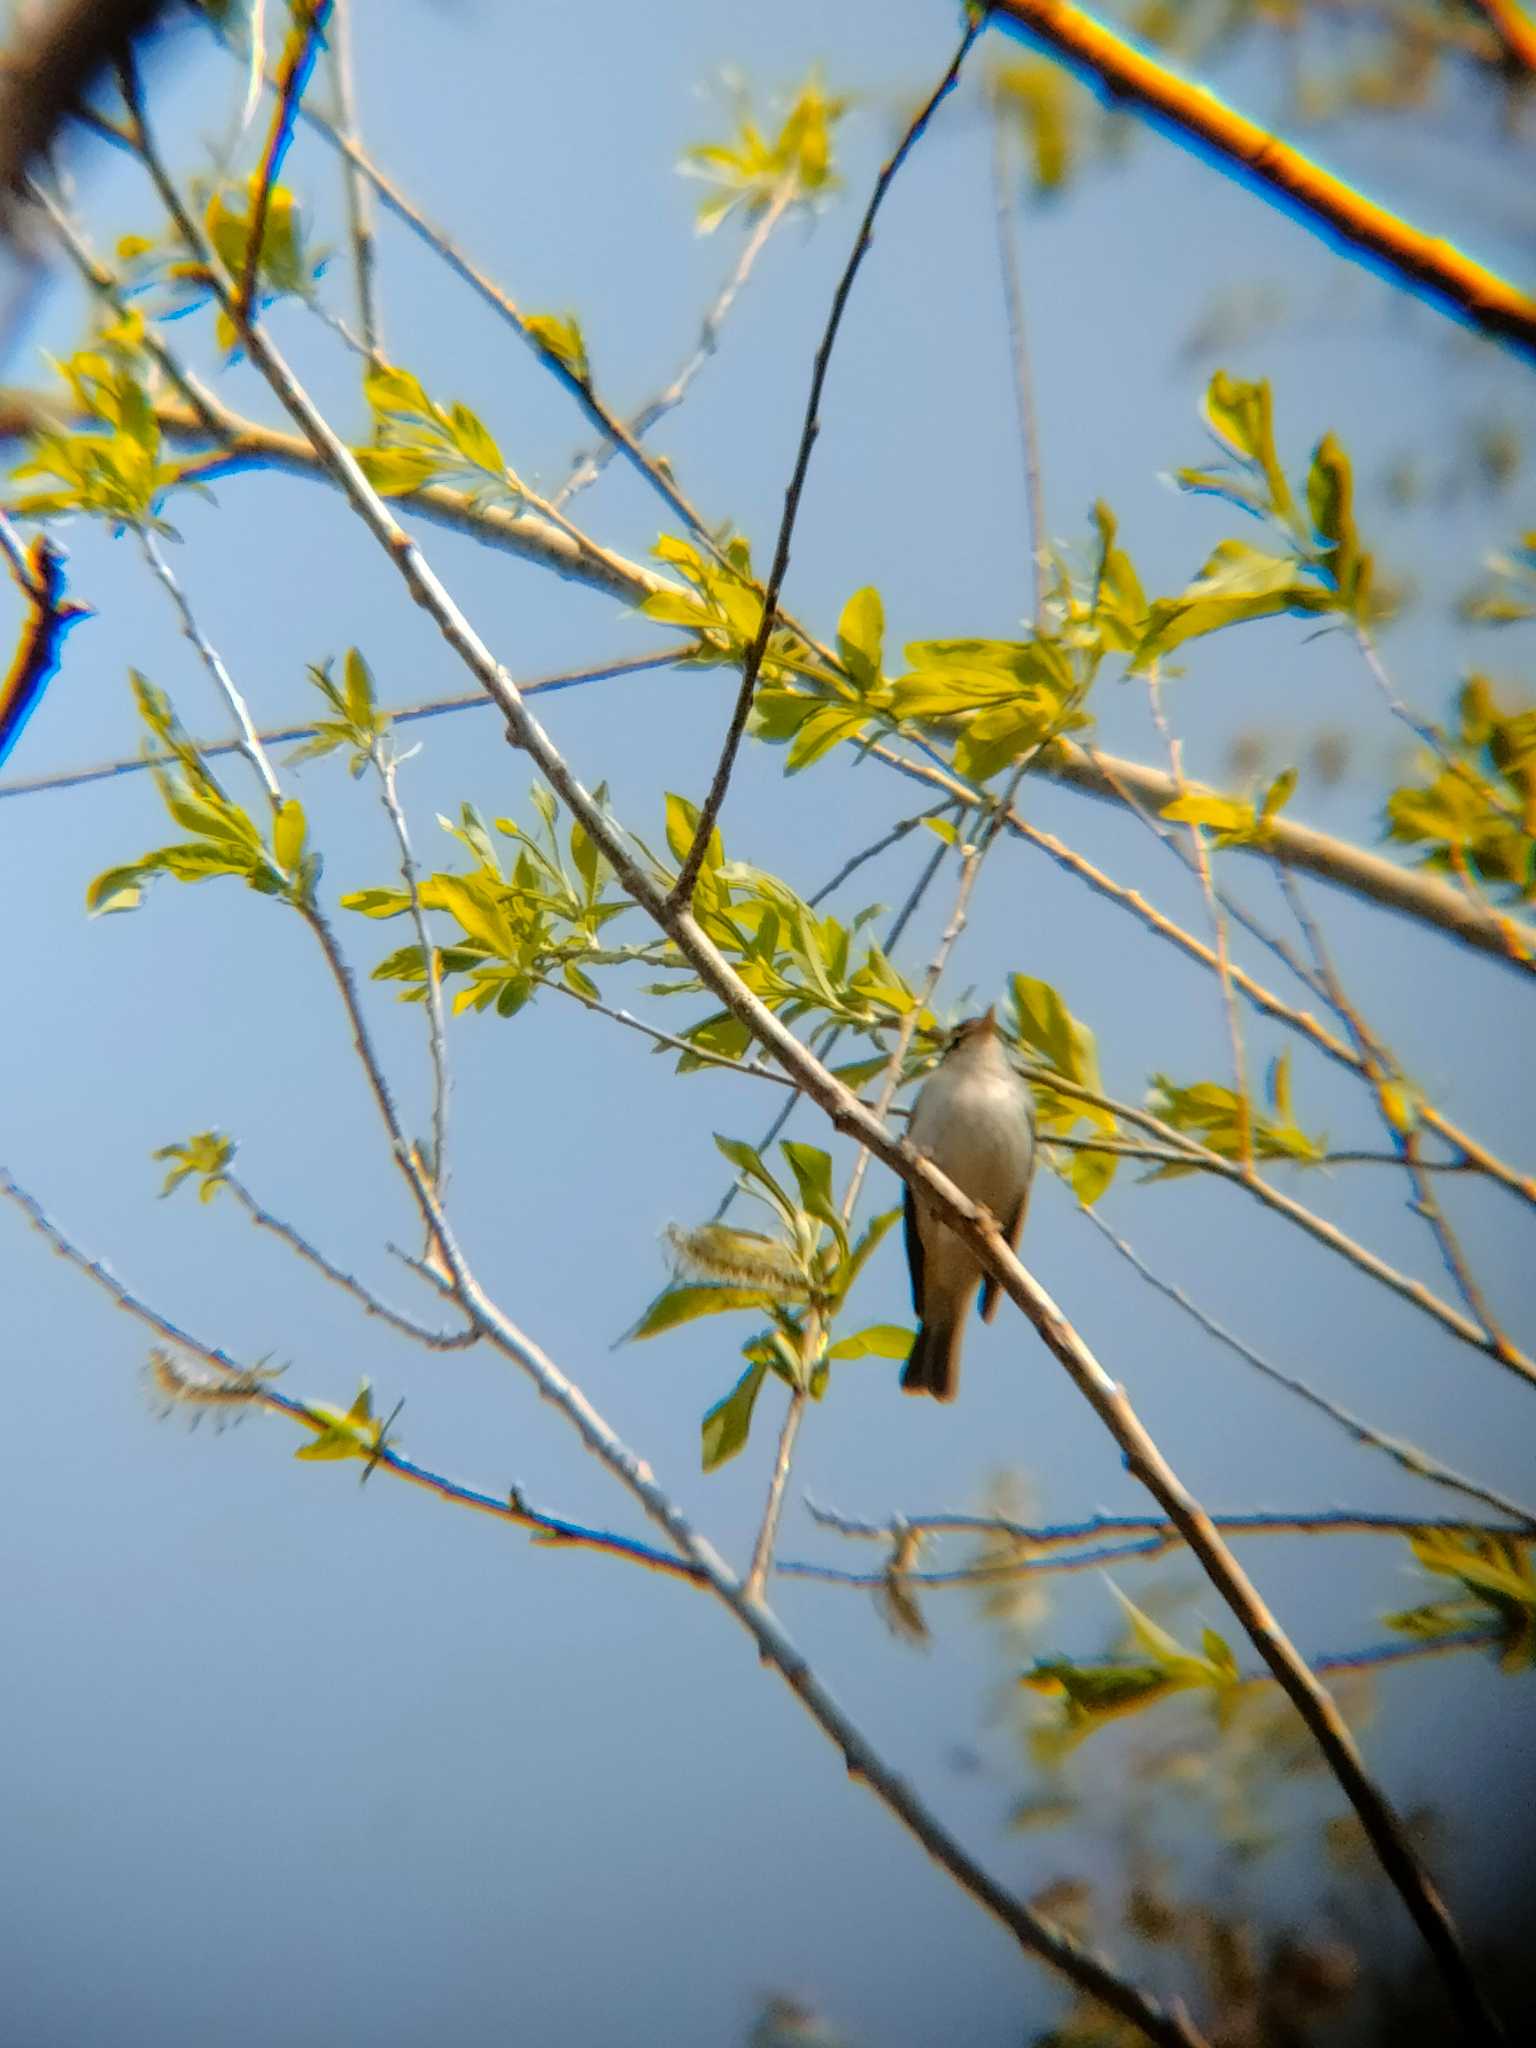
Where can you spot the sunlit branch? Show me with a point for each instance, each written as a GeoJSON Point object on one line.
{"type": "Point", "coordinates": [1514, 28]}
{"type": "Point", "coordinates": [304, 42]}
{"type": "Point", "coordinates": [1429, 265]}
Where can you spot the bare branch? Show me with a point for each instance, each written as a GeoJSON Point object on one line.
{"type": "Point", "coordinates": [249, 743]}
{"type": "Point", "coordinates": [365, 254]}
{"type": "Point", "coordinates": [1018, 349]}
{"type": "Point", "coordinates": [591, 466]}
{"type": "Point", "coordinates": [437, 707]}
{"type": "Point", "coordinates": [263, 1218]}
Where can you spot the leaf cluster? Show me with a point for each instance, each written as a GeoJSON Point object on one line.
{"type": "Point", "coordinates": [1497, 1597]}
{"type": "Point", "coordinates": [225, 841]}
{"type": "Point", "coordinates": [518, 926]}
{"type": "Point", "coordinates": [418, 442]}
{"type": "Point", "coordinates": [749, 171]}
{"type": "Point", "coordinates": [358, 724]}
{"type": "Point", "coordinates": [1318, 569]}
{"type": "Point", "coordinates": [1475, 811]}
{"type": "Point", "coordinates": [111, 470]}
{"type": "Point", "coordinates": [799, 1275]}
{"type": "Point", "coordinates": [1223, 1123]}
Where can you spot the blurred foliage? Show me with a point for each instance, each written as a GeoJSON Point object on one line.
{"type": "Point", "coordinates": [751, 173]}
{"type": "Point", "coordinates": [1474, 811]}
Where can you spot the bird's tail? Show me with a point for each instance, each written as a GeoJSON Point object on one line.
{"type": "Point", "coordinates": [934, 1364]}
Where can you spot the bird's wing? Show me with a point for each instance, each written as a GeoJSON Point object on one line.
{"type": "Point", "coordinates": [914, 1251]}
{"type": "Point", "coordinates": [1012, 1230]}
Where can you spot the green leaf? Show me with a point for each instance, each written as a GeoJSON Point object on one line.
{"type": "Point", "coordinates": [561, 336]}
{"type": "Point", "coordinates": [879, 1340]}
{"type": "Point", "coordinates": [1090, 1174]}
{"type": "Point", "coordinates": [1241, 416]}
{"type": "Point", "coordinates": [726, 1427]}
{"type": "Point", "coordinates": [748, 1162]}
{"type": "Point", "coordinates": [359, 688]}
{"type": "Point", "coordinates": [821, 732]}
{"type": "Point", "coordinates": [377, 902]}
{"type": "Point", "coordinates": [682, 824]}
{"type": "Point", "coordinates": [288, 833]}
{"type": "Point", "coordinates": [678, 1305]}
{"type": "Point", "coordinates": [352, 1434]}
{"type": "Point", "coordinates": [861, 638]}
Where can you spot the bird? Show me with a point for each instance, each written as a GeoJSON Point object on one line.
{"type": "Point", "coordinates": [974, 1117]}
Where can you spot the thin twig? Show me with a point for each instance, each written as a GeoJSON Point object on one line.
{"type": "Point", "coordinates": [263, 1218]}
{"type": "Point", "coordinates": [359, 210]}
{"type": "Point", "coordinates": [1425, 733]}
{"type": "Point", "coordinates": [1384, 1076]}
{"type": "Point", "coordinates": [1048, 1538]}
{"type": "Point", "coordinates": [1018, 350]}
{"type": "Point", "coordinates": [682, 889]}
{"type": "Point", "coordinates": [256, 1388]}
{"type": "Point", "coordinates": [974, 1226]}
{"type": "Point", "coordinates": [386, 763]}
{"type": "Point", "coordinates": [437, 707]}
{"type": "Point", "coordinates": [1316, 1226]}
{"type": "Point", "coordinates": [1218, 926]}
{"type": "Point", "coordinates": [591, 466]}
{"type": "Point", "coordinates": [1407, 1455]}
{"type": "Point", "coordinates": [871, 852]}
{"type": "Point", "coordinates": [249, 742]}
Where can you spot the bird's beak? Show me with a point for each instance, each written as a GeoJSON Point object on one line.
{"type": "Point", "coordinates": [989, 1018]}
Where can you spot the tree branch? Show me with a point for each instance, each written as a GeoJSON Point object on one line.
{"type": "Point", "coordinates": [1428, 265]}
{"type": "Point", "coordinates": [682, 890]}
{"type": "Point", "coordinates": [975, 1226]}
{"type": "Point", "coordinates": [1407, 1455]}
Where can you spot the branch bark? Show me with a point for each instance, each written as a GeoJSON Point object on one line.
{"type": "Point", "coordinates": [1428, 265]}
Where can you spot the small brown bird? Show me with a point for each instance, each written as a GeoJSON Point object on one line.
{"type": "Point", "coordinates": [974, 1117]}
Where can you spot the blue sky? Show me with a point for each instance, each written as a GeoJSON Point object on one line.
{"type": "Point", "coordinates": [289, 1761]}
